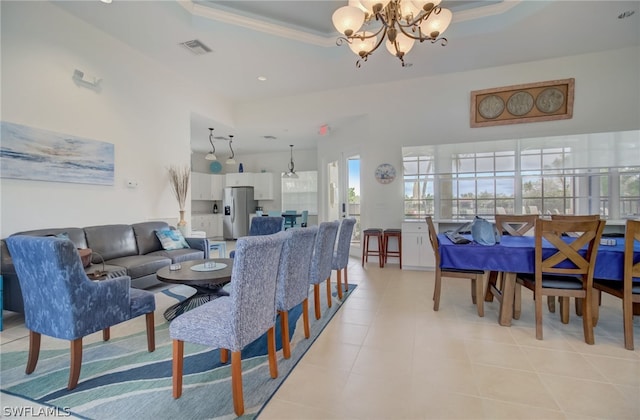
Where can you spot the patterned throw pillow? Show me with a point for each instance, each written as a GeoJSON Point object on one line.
{"type": "Point", "coordinates": [171, 239]}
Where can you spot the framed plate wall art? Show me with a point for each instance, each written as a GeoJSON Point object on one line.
{"type": "Point", "coordinates": [385, 173]}
{"type": "Point", "coordinates": [533, 102]}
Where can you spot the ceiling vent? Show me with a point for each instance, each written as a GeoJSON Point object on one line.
{"type": "Point", "coordinates": [196, 47]}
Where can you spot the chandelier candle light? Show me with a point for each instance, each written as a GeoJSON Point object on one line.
{"type": "Point", "coordinates": [403, 22]}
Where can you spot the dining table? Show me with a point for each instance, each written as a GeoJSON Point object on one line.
{"type": "Point", "coordinates": [516, 254]}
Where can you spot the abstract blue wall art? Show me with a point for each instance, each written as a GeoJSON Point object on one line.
{"type": "Point", "coordinates": [31, 153]}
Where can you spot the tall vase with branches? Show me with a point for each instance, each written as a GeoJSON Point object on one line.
{"type": "Point", "coordinates": [179, 181]}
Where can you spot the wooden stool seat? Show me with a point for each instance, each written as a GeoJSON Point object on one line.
{"type": "Point", "coordinates": [392, 233]}
{"type": "Point", "coordinates": [366, 252]}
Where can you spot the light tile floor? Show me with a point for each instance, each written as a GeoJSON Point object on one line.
{"type": "Point", "coordinates": [388, 355]}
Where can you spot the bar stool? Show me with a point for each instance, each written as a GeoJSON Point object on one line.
{"type": "Point", "coordinates": [366, 252]}
{"type": "Point", "coordinates": [393, 233]}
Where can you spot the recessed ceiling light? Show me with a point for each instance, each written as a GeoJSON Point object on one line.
{"type": "Point", "coordinates": [269, 137]}
{"type": "Point", "coordinates": [262, 78]}
{"type": "Point", "coordinates": [626, 14]}
{"type": "Point", "coordinates": [106, 1]}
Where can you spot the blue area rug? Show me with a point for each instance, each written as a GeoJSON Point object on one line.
{"type": "Point", "coordinates": [120, 379]}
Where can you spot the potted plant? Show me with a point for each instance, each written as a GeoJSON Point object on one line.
{"type": "Point", "coordinates": [179, 180]}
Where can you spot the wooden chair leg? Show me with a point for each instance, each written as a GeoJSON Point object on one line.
{"type": "Point", "coordinates": [479, 283]}
{"type": "Point", "coordinates": [346, 280]}
{"type": "Point", "coordinates": [436, 291]}
{"type": "Point", "coordinates": [492, 281]}
{"type": "Point", "coordinates": [596, 306]}
{"type": "Point", "coordinates": [474, 295]}
{"type": "Point", "coordinates": [564, 308]}
{"type": "Point", "coordinates": [151, 332]}
{"type": "Point", "coordinates": [381, 253]}
{"type": "Point", "coordinates": [316, 299]}
{"type": "Point", "coordinates": [339, 282]}
{"type": "Point", "coordinates": [579, 303]}
{"type": "Point", "coordinates": [178, 356]}
{"type": "Point", "coordinates": [538, 305]}
{"type": "Point", "coordinates": [76, 363]}
{"type": "Point", "coordinates": [271, 350]}
{"type": "Point", "coordinates": [329, 291]}
{"type": "Point", "coordinates": [106, 334]}
{"type": "Point", "coordinates": [627, 320]}
{"type": "Point", "coordinates": [224, 355]}
{"type": "Point", "coordinates": [587, 318]}
{"type": "Point", "coordinates": [284, 332]}
{"type": "Point", "coordinates": [551, 303]}
{"type": "Point", "coordinates": [305, 317]}
{"type": "Point", "coordinates": [236, 383]}
{"type": "Point", "coordinates": [34, 351]}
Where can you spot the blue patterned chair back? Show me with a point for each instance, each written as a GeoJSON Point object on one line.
{"type": "Point", "coordinates": [295, 263]}
{"type": "Point", "coordinates": [341, 254]}
{"type": "Point", "coordinates": [253, 287]}
{"type": "Point", "coordinates": [59, 299]}
{"type": "Point", "coordinates": [323, 252]}
{"type": "Point", "coordinates": [265, 225]}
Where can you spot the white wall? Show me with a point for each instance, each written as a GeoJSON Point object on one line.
{"type": "Point", "coordinates": [146, 118]}
{"type": "Point", "coordinates": [435, 110]}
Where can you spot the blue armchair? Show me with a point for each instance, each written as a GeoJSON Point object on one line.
{"type": "Point", "coordinates": [341, 253]}
{"type": "Point", "coordinates": [293, 280]}
{"type": "Point", "coordinates": [60, 301]}
{"type": "Point", "coordinates": [321, 262]}
{"type": "Point", "coordinates": [229, 323]}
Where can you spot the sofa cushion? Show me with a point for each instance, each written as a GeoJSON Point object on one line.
{"type": "Point", "coordinates": [171, 239]}
{"type": "Point", "coordinates": [76, 235]}
{"type": "Point", "coordinates": [146, 238]}
{"type": "Point", "coordinates": [141, 265]}
{"type": "Point", "coordinates": [111, 241]}
{"type": "Point", "coordinates": [181, 255]}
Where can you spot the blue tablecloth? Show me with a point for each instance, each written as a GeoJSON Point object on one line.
{"type": "Point", "coordinates": [516, 254]}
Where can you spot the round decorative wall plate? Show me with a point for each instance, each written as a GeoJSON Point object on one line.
{"type": "Point", "coordinates": [385, 173]}
{"type": "Point", "coordinates": [215, 167]}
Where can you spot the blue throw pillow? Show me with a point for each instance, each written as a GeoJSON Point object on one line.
{"type": "Point", "coordinates": [171, 239]}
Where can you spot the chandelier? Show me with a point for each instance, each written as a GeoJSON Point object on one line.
{"type": "Point", "coordinates": [402, 23]}
{"type": "Point", "coordinates": [291, 173]}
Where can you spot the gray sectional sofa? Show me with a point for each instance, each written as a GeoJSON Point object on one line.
{"type": "Point", "coordinates": [132, 250]}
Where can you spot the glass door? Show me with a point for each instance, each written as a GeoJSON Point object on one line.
{"type": "Point", "coordinates": [351, 200]}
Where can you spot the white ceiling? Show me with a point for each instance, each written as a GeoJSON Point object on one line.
{"type": "Point", "coordinates": [293, 44]}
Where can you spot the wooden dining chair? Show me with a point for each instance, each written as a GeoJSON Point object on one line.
{"type": "Point", "coordinates": [476, 276]}
{"type": "Point", "coordinates": [551, 300]}
{"type": "Point", "coordinates": [513, 225]}
{"type": "Point", "coordinates": [566, 273]}
{"type": "Point", "coordinates": [626, 289]}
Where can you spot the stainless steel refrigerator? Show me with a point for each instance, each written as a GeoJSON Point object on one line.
{"type": "Point", "coordinates": [237, 204]}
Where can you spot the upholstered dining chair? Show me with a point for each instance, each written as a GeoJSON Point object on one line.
{"type": "Point", "coordinates": [513, 225]}
{"type": "Point", "coordinates": [289, 222]}
{"type": "Point", "coordinates": [230, 323]}
{"type": "Point", "coordinates": [565, 273]}
{"type": "Point", "coordinates": [264, 225]}
{"type": "Point", "coordinates": [321, 262]}
{"type": "Point", "coordinates": [340, 259]}
{"type": "Point", "coordinates": [626, 290]}
{"type": "Point", "coordinates": [476, 276]}
{"type": "Point", "coordinates": [293, 280]}
{"type": "Point", "coordinates": [61, 302]}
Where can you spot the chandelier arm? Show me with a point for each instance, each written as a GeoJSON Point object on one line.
{"type": "Point", "coordinates": [424, 15]}
{"type": "Point", "coordinates": [375, 47]}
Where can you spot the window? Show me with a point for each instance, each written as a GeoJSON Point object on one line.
{"type": "Point", "coordinates": [301, 193]}
{"type": "Point", "coordinates": [582, 174]}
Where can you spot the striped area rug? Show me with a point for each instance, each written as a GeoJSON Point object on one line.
{"type": "Point", "coordinates": [120, 379]}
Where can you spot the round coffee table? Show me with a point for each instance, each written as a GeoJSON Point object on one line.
{"type": "Point", "coordinates": [207, 282]}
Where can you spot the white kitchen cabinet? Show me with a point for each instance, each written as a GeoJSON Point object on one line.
{"type": "Point", "coordinates": [240, 179]}
{"type": "Point", "coordinates": [217, 186]}
{"type": "Point", "coordinates": [263, 186]}
{"type": "Point", "coordinates": [200, 186]}
{"type": "Point", "coordinates": [417, 253]}
{"type": "Point", "coordinates": [216, 226]}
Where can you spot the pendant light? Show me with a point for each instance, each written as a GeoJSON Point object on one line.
{"type": "Point", "coordinates": [231, 160]}
{"type": "Point", "coordinates": [291, 173]}
{"type": "Point", "coordinates": [212, 155]}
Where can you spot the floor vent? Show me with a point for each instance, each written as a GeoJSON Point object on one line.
{"type": "Point", "coordinates": [196, 47]}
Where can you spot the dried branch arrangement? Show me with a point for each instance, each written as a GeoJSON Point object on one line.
{"type": "Point", "coordinates": [179, 179]}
